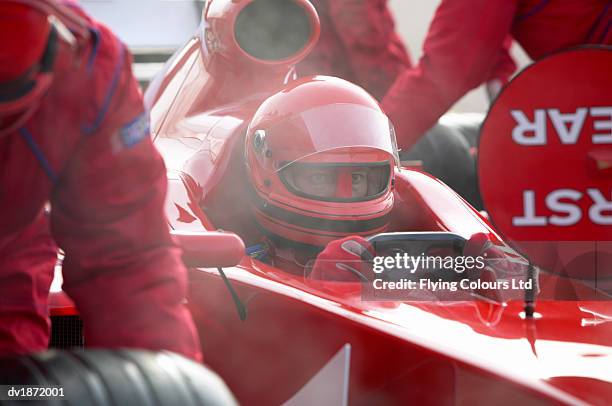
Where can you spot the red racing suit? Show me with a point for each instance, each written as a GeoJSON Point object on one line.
{"type": "Point", "coordinates": [87, 150]}
{"type": "Point", "coordinates": [464, 40]}
{"type": "Point", "coordinates": [358, 43]}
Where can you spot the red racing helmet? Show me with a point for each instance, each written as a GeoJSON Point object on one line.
{"type": "Point", "coordinates": [321, 156]}
{"type": "Point", "coordinates": [29, 32]}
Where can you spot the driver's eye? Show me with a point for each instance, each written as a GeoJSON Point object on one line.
{"type": "Point", "coordinates": [358, 178]}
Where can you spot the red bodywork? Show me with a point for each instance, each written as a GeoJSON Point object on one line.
{"type": "Point", "coordinates": [423, 353]}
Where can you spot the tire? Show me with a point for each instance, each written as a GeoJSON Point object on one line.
{"type": "Point", "coordinates": [445, 154]}
{"type": "Point", "coordinates": [117, 377]}
{"type": "Point", "coordinates": [468, 124]}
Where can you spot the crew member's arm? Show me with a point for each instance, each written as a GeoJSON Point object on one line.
{"type": "Point", "coordinates": [376, 53]}
{"type": "Point", "coordinates": [121, 267]}
{"type": "Point", "coordinates": [461, 48]}
{"type": "Point", "coordinates": [502, 71]}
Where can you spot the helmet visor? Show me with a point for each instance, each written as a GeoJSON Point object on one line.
{"type": "Point", "coordinates": [340, 182]}
{"type": "Point", "coordinates": [325, 128]}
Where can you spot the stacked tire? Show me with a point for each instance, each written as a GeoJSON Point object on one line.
{"type": "Point", "coordinates": [116, 377]}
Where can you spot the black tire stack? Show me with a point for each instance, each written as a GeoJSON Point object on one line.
{"type": "Point", "coordinates": [117, 377]}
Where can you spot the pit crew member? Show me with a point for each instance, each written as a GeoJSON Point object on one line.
{"type": "Point", "coordinates": [464, 41]}
{"type": "Point", "coordinates": [73, 132]}
{"type": "Point", "coordinates": [358, 42]}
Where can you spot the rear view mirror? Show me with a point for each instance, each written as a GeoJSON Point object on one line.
{"type": "Point", "coordinates": [213, 249]}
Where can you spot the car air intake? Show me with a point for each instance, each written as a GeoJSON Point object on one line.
{"type": "Point", "coordinates": [272, 29]}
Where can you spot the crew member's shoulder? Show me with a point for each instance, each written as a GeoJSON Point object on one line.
{"type": "Point", "coordinates": [106, 68]}
{"type": "Point", "coordinates": [107, 51]}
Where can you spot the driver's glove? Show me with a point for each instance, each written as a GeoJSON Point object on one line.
{"type": "Point", "coordinates": [501, 258]}
{"type": "Point", "coordinates": [501, 263]}
{"type": "Point", "coordinates": [348, 259]}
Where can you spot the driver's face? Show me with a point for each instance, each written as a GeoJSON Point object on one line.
{"type": "Point", "coordinates": [321, 182]}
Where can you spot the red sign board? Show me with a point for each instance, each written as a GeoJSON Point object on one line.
{"type": "Point", "coordinates": [545, 157]}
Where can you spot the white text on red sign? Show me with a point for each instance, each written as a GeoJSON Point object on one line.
{"type": "Point", "coordinates": [568, 126]}
{"type": "Point", "coordinates": [562, 203]}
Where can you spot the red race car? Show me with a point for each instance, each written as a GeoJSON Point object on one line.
{"type": "Point", "coordinates": [277, 335]}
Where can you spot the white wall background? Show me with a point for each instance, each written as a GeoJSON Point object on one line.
{"type": "Point", "coordinates": [147, 23]}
